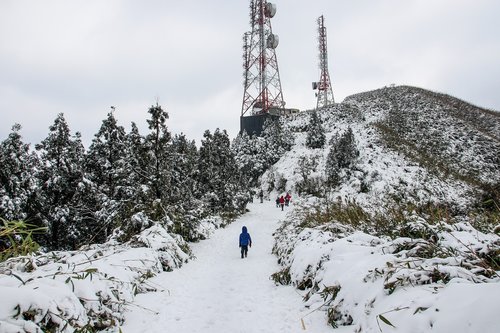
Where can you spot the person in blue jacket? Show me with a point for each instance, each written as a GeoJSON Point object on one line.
{"type": "Point", "coordinates": [245, 242]}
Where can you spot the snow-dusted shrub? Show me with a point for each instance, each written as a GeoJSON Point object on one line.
{"type": "Point", "coordinates": [311, 186]}
{"type": "Point", "coordinates": [281, 183]}
{"type": "Point", "coordinates": [326, 210]}
{"type": "Point", "coordinates": [442, 258]}
{"type": "Point", "coordinates": [282, 277]}
{"type": "Point", "coordinates": [271, 180]}
{"type": "Point", "coordinates": [487, 218]}
{"type": "Point", "coordinates": [208, 225]}
{"type": "Point", "coordinates": [132, 226]}
{"type": "Point", "coordinates": [341, 157]}
{"type": "Point", "coordinates": [357, 278]}
{"type": "Point", "coordinates": [16, 239]}
{"type": "Point", "coordinates": [173, 251]}
{"type": "Point", "coordinates": [315, 132]}
{"type": "Point", "coordinates": [84, 290]}
{"type": "Point", "coordinates": [310, 183]}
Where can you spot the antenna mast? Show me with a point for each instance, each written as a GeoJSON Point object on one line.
{"type": "Point", "coordinates": [261, 78]}
{"type": "Point", "coordinates": [324, 87]}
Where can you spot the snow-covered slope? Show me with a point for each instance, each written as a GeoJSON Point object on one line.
{"type": "Point", "coordinates": [441, 132]}
{"type": "Point", "coordinates": [87, 289]}
{"type": "Point", "coordinates": [429, 279]}
{"type": "Point", "coordinates": [414, 146]}
{"type": "Point", "coordinates": [394, 246]}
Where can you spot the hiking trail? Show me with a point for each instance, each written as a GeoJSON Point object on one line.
{"type": "Point", "coordinates": [220, 292]}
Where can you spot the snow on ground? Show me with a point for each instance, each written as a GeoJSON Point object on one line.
{"type": "Point", "coordinates": [102, 285]}
{"type": "Point", "coordinates": [220, 292]}
{"type": "Point", "coordinates": [377, 284]}
{"type": "Point", "coordinates": [384, 173]}
{"type": "Point", "coordinates": [65, 290]}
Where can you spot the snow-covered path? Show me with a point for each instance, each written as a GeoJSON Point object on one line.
{"type": "Point", "coordinates": [220, 292]}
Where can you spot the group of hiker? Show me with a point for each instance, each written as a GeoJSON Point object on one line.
{"type": "Point", "coordinates": [245, 240]}
{"type": "Point", "coordinates": [282, 201]}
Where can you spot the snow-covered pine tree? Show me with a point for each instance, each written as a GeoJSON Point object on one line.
{"type": "Point", "coordinates": [184, 170]}
{"type": "Point", "coordinates": [254, 155]}
{"type": "Point", "coordinates": [17, 181]}
{"type": "Point", "coordinates": [106, 169]}
{"type": "Point", "coordinates": [250, 156]}
{"type": "Point", "coordinates": [60, 177]}
{"type": "Point", "coordinates": [315, 132]}
{"type": "Point", "coordinates": [136, 168]}
{"type": "Point", "coordinates": [342, 155]}
{"type": "Point", "coordinates": [158, 153]}
{"type": "Point", "coordinates": [228, 173]}
{"type": "Point", "coordinates": [184, 208]}
{"type": "Point", "coordinates": [136, 194]}
{"type": "Point", "coordinates": [241, 148]}
{"type": "Point", "coordinates": [84, 227]}
{"type": "Point", "coordinates": [277, 140]}
{"type": "Point", "coordinates": [219, 177]}
{"type": "Point", "coordinates": [207, 172]}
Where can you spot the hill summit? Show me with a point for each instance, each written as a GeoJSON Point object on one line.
{"type": "Point", "coordinates": [397, 217]}
{"type": "Point", "coordinates": [413, 146]}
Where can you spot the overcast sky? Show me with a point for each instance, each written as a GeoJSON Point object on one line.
{"type": "Point", "coordinates": [81, 57]}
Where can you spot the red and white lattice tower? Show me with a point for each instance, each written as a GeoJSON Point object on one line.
{"type": "Point", "coordinates": [324, 86]}
{"type": "Point", "coordinates": [261, 75]}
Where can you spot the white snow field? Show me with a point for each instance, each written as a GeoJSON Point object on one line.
{"type": "Point", "coordinates": [220, 292]}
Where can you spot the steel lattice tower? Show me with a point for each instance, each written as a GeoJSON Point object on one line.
{"type": "Point", "coordinates": [324, 86]}
{"type": "Point", "coordinates": [262, 85]}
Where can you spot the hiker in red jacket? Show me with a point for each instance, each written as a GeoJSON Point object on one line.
{"type": "Point", "coordinates": [282, 202]}
{"type": "Point", "coordinates": [288, 198]}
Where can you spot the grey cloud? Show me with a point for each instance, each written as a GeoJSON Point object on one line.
{"type": "Point", "coordinates": [80, 57]}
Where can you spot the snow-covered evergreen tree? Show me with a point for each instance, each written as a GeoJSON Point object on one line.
{"type": "Point", "coordinates": [61, 179]}
{"type": "Point", "coordinates": [134, 194]}
{"type": "Point", "coordinates": [207, 171]}
{"type": "Point", "coordinates": [219, 177]}
{"type": "Point", "coordinates": [106, 169]}
{"type": "Point", "coordinates": [17, 182]}
{"type": "Point", "coordinates": [254, 155]}
{"type": "Point", "coordinates": [136, 169]}
{"type": "Point", "coordinates": [184, 171]}
{"type": "Point", "coordinates": [277, 140]}
{"type": "Point", "coordinates": [250, 156]}
{"type": "Point", "coordinates": [228, 173]}
{"type": "Point", "coordinates": [315, 132]}
{"type": "Point", "coordinates": [184, 208]}
{"type": "Point", "coordinates": [158, 153]}
{"type": "Point", "coordinates": [342, 155]}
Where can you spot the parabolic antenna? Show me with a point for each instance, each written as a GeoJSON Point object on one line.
{"type": "Point", "coordinates": [272, 41]}
{"type": "Point", "coordinates": [270, 10]}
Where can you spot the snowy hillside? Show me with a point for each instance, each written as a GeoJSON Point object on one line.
{"type": "Point", "coordinates": [394, 246]}
{"type": "Point", "coordinates": [425, 278]}
{"type": "Point", "coordinates": [439, 131]}
{"type": "Point", "coordinates": [414, 146]}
